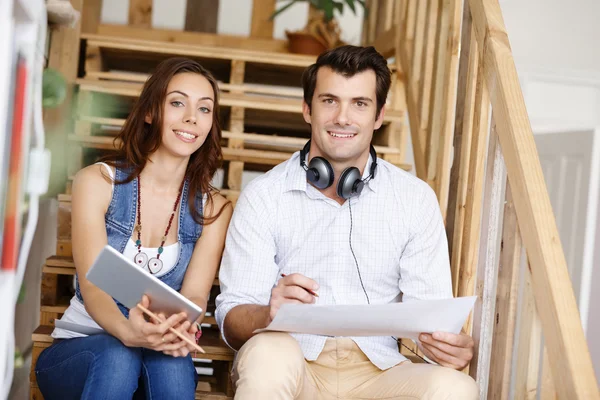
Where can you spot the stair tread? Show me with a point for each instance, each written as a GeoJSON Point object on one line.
{"type": "Point", "coordinates": [210, 341]}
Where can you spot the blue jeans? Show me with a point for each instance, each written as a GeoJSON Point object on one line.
{"type": "Point", "coordinates": [102, 367]}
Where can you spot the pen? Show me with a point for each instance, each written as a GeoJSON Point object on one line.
{"type": "Point", "coordinates": [179, 335]}
{"type": "Point", "coordinates": [308, 290]}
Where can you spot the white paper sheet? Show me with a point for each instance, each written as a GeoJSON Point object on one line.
{"type": "Point", "coordinates": [402, 320]}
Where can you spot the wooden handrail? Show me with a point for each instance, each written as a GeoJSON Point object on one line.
{"type": "Point", "coordinates": [567, 347]}
{"type": "Point", "coordinates": [487, 77]}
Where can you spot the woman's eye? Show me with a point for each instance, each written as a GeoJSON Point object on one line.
{"type": "Point", "coordinates": [176, 103]}
{"type": "Point", "coordinates": [205, 110]}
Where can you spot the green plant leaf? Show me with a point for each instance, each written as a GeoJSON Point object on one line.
{"type": "Point", "coordinates": [328, 10]}
{"type": "Point", "coordinates": [339, 6]}
{"type": "Point", "coordinates": [282, 9]}
{"type": "Point", "coordinates": [365, 8]}
{"type": "Point", "coordinates": [351, 5]}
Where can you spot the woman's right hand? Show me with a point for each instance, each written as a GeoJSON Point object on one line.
{"type": "Point", "coordinates": [150, 335]}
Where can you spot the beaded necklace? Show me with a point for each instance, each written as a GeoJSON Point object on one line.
{"type": "Point", "coordinates": [155, 264]}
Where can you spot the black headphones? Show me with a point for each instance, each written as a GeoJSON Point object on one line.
{"type": "Point", "coordinates": [320, 173]}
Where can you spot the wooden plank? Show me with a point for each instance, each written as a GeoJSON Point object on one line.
{"type": "Point", "coordinates": [411, 105]}
{"type": "Point", "coordinates": [261, 25]}
{"type": "Point", "coordinates": [140, 13]}
{"type": "Point", "coordinates": [507, 297]}
{"type": "Point", "coordinates": [49, 292]}
{"type": "Point", "coordinates": [372, 34]}
{"type": "Point", "coordinates": [199, 50]}
{"type": "Point", "coordinates": [194, 38]}
{"type": "Point", "coordinates": [409, 33]}
{"type": "Point", "coordinates": [419, 37]}
{"type": "Point", "coordinates": [385, 43]}
{"type": "Point", "coordinates": [487, 270]}
{"type": "Point", "coordinates": [262, 157]}
{"type": "Point", "coordinates": [214, 346]}
{"type": "Point", "coordinates": [231, 99]}
{"type": "Point", "coordinates": [424, 90]}
{"type": "Point", "coordinates": [442, 116]}
{"type": "Point", "coordinates": [90, 16]}
{"type": "Point", "coordinates": [93, 61]}
{"type": "Point", "coordinates": [547, 387]}
{"type": "Point", "coordinates": [463, 139]}
{"type": "Point", "coordinates": [294, 143]}
{"type": "Point", "coordinates": [567, 347]}
{"type": "Point", "coordinates": [364, 39]}
{"type": "Point", "coordinates": [201, 15]}
{"type": "Point", "coordinates": [529, 341]}
{"type": "Point", "coordinates": [473, 203]}
{"type": "Point", "coordinates": [244, 88]}
{"type": "Point", "coordinates": [63, 56]}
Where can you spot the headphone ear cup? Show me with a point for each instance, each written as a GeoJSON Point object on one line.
{"type": "Point", "coordinates": [350, 183]}
{"type": "Point", "coordinates": [320, 173]}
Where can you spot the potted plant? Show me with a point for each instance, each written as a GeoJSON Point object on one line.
{"type": "Point", "coordinates": [321, 31]}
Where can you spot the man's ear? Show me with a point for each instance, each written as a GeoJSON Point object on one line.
{"type": "Point", "coordinates": [148, 119]}
{"type": "Point", "coordinates": [306, 112]}
{"type": "Point", "coordinates": [379, 119]}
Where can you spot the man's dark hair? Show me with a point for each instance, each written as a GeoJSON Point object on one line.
{"type": "Point", "coordinates": [348, 61]}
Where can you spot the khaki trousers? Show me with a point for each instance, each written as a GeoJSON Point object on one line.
{"type": "Point", "coordinates": [271, 366]}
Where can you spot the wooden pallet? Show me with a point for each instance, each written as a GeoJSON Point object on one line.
{"type": "Point", "coordinates": [260, 98]}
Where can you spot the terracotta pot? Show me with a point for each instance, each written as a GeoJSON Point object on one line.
{"type": "Point", "coordinates": [302, 43]}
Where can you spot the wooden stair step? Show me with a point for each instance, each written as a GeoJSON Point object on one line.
{"type": "Point", "coordinates": [201, 395]}
{"type": "Point", "coordinates": [294, 143]}
{"type": "Point", "coordinates": [65, 266]}
{"type": "Point", "coordinates": [211, 342]}
{"type": "Point", "coordinates": [258, 102]}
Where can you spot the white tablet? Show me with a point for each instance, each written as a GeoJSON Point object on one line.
{"type": "Point", "coordinates": [126, 282]}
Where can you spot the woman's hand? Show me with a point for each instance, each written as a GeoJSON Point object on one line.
{"type": "Point", "coordinates": [188, 330]}
{"type": "Point", "coordinates": [151, 335]}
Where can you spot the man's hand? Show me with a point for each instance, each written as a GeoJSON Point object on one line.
{"type": "Point", "coordinates": [291, 289]}
{"type": "Point", "coordinates": [448, 349]}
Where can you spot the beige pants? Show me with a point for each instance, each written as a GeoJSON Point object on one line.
{"type": "Point", "coordinates": [271, 366]}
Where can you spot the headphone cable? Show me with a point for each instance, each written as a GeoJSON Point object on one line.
{"type": "Point", "coordinates": [353, 255]}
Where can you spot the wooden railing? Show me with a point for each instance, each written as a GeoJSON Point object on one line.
{"type": "Point", "coordinates": [463, 96]}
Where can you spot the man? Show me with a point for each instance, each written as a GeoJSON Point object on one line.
{"type": "Point", "coordinates": [332, 222]}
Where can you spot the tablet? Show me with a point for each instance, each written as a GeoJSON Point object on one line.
{"type": "Point", "coordinates": [126, 282]}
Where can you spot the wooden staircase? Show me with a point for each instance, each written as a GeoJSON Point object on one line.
{"type": "Point", "coordinates": [454, 80]}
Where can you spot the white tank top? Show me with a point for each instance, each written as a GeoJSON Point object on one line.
{"type": "Point", "coordinates": [76, 312]}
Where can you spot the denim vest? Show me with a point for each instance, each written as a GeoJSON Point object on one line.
{"type": "Point", "coordinates": [120, 221]}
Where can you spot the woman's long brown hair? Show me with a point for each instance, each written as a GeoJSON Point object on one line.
{"type": "Point", "coordinates": [138, 139]}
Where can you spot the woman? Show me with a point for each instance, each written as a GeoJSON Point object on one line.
{"type": "Point", "coordinates": [153, 202]}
